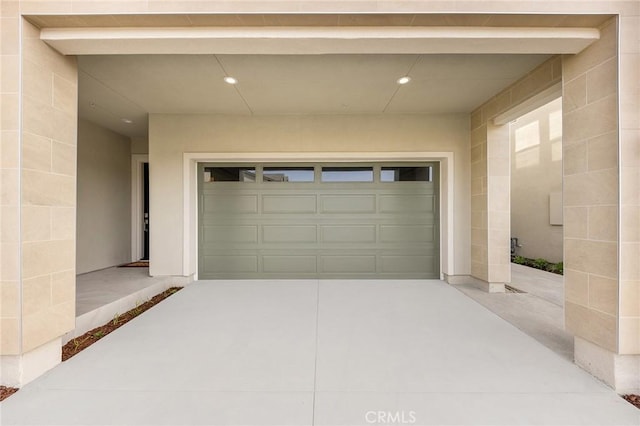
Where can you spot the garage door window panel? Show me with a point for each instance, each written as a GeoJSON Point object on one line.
{"type": "Point", "coordinates": [347, 174]}
{"type": "Point", "coordinates": [405, 174]}
{"type": "Point", "coordinates": [229, 174]}
{"type": "Point", "coordinates": [288, 174]}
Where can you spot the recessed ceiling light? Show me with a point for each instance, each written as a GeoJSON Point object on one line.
{"type": "Point", "coordinates": [126, 120]}
{"type": "Point", "coordinates": [230, 80]}
{"type": "Point", "coordinates": [403, 80]}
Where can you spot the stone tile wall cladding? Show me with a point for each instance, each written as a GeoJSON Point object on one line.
{"type": "Point", "coordinates": [603, 241]}
{"type": "Point", "coordinates": [591, 178]}
{"type": "Point", "coordinates": [490, 174]}
{"type": "Point", "coordinates": [629, 229]}
{"type": "Point", "coordinates": [10, 310]}
{"type": "Point", "coordinates": [38, 188]}
{"type": "Point", "coordinates": [601, 186]}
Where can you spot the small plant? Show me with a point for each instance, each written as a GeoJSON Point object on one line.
{"type": "Point", "coordinates": [556, 268]}
{"type": "Point", "coordinates": [541, 264]}
{"type": "Point", "coordinates": [77, 342]}
{"type": "Point", "coordinates": [116, 319]}
{"type": "Point", "coordinates": [98, 334]}
{"type": "Point", "coordinates": [520, 260]}
{"type": "Point", "coordinates": [137, 310]}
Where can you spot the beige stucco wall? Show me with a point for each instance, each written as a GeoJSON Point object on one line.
{"type": "Point", "coordinates": [104, 198]}
{"type": "Point", "coordinates": [536, 172]}
{"type": "Point", "coordinates": [140, 145]}
{"type": "Point", "coordinates": [172, 135]}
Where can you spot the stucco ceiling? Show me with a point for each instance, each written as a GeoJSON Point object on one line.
{"type": "Point", "coordinates": [113, 88]}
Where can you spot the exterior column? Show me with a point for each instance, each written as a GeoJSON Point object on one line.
{"type": "Point", "coordinates": [602, 205]}
{"type": "Point", "coordinates": [498, 206]}
{"type": "Point", "coordinates": [39, 126]}
{"type": "Point", "coordinates": [10, 306]}
{"type": "Point", "coordinates": [628, 363]}
{"type": "Point", "coordinates": [490, 206]}
{"type": "Point", "coordinates": [491, 176]}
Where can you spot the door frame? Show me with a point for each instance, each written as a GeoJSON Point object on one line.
{"type": "Point", "coordinates": [190, 191]}
{"type": "Point", "coordinates": [137, 201]}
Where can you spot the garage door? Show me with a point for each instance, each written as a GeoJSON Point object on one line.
{"type": "Point", "coordinates": [318, 221]}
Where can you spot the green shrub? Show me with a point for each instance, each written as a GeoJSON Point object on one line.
{"type": "Point", "coordinates": [556, 268]}
{"type": "Point", "coordinates": [519, 260]}
{"type": "Point", "coordinates": [541, 264]}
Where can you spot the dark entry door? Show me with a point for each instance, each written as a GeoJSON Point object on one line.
{"type": "Point", "coordinates": [145, 209]}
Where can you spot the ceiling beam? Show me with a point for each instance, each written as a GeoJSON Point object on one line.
{"type": "Point", "coordinates": [531, 104]}
{"type": "Point", "coordinates": [319, 40]}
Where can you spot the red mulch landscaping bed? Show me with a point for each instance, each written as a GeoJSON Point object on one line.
{"type": "Point", "coordinates": [6, 392]}
{"type": "Point", "coordinates": [90, 337]}
{"type": "Point", "coordinates": [633, 399]}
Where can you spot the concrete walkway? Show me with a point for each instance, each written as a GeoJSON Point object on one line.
{"type": "Point", "coordinates": [100, 295]}
{"type": "Point", "coordinates": [99, 288]}
{"type": "Point", "coordinates": [322, 353]}
{"type": "Point", "coordinates": [538, 311]}
{"type": "Point", "coordinates": [542, 284]}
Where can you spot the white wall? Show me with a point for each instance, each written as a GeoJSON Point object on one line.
{"type": "Point", "coordinates": [104, 198]}
{"type": "Point", "coordinates": [172, 135]}
{"type": "Point", "coordinates": [536, 171]}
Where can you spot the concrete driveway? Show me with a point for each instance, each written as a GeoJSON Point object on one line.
{"type": "Point", "coordinates": [322, 353]}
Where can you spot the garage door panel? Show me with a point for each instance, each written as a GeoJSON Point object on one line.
{"type": "Point", "coordinates": [348, 204]}
{"type": "Point", "coordinates": [230, 203]}
{"type": "Point", "coordinates": [406, 263]}
{"type": "Point", "coordinates": [290, 264]}
{"type": "Point", "coordinates": [407, 203]}
{"type": "Point", "coordinates": [348, 233]}
{"type": "Point", "coordinates": [407, 233]}
{"type": "Point", "coordinates": [289, 204]}
{"type": "Point", "coordinates": [289, 234]}
{"type": "Point", "coordinates": [317, 229]}
{"type": "Point", "coordinates": [230, 234]}
{"type": "Point", "coordinates": [230, 264]}
{"type": "Point", "coordinates": [348, 264]}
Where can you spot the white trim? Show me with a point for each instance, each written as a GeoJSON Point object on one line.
{"type": "Point", "coordinates": [190, 191]}
{"type": "Point", "coordinates": [137, 220]}
{"type": "Point", "coordinates": [319, 40]}
{"type": "Point", "coordinates": [621, 184]}
{"type": "Point", "coordinates": [18, 370]}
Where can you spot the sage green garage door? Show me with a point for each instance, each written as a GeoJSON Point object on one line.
{"type": "Point", "coordinates": [318, 221]}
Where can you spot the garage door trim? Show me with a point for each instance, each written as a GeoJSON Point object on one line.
{"type": "Point", "coordinates": [190, 212]}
